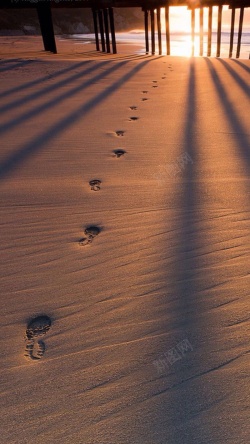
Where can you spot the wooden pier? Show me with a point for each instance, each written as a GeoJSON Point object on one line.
{"type": "Point", "coordinates": [104, 23]}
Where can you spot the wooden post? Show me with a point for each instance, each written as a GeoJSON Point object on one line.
{"type": "Point", "coordinates": [167, 29]}
{"type": "Point", "coordinates": [146, 30]}
{"type": "Point", "coordinates": [240, 32]}
{"type": "Point", "coordinates": [232, 33]}
{"type": "Point", "coordinates": [46, 25]}
{"type": "Point", "coordinates": [210, 15]}
{"type": "Point", "coordinates": [112, 29]}
{"type": "Point", "coordinates": [100, 18]}
{"type": "Point", "coordinates": [95, 29]}
{"type": "Point", "coordinates": [152, 16]}
{"type": "Point", "coordinates": [106, 27]}
{"type": "Point", "coordinates": [201, 30]}
{"type": "Point", "coordinates": [159, 29]}
{"type": "Point", "coordinates": [192, 28]}
{"type": "Point", "coordinates": [219, 30]}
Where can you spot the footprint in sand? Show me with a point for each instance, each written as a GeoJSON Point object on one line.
{"type": "Point", "coordinates": [118, 153]}
{"type": "Point", "coordinates": [36, 328]}
{"type": "Point", "coordinates": [120, 133]}
{"type": "Point", "coordinates": [133, 108]}
{"type": "Point", "coordinates": [144, 92]}
{"type": "Point", "coordinates": [90, 233]}
{"type": "Point", "coordinates": [154, 86]}
{"type": "Point", "coordinates": [163, 78]}
{"type": "Point", "coordinates": [95, 184]}
{"type": "Point", "coordinates": [154, 81]}
{"type": "Point", "coordinates": [132, 119]}
{"type": "Point", "coordinates": [144, 99]}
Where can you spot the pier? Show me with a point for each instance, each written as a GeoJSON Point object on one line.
{"type": "Point", "coordinates": [104, 23]}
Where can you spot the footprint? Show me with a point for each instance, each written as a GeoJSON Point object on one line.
{"type": "Point", "coordinates": [144, 99]}
{"type": "Point", "coordinates": [163, 78]}
{"type": "Point", "coordinates": [36, 328]}
{"type": "Point", "coordinates": [118, 153]}
{"type": "Point", "coordinates": [133, 108]}
{"type": "Point", "coordinates": [154, 81]}
{"type": "Point", "coordinates": [120, 133]}
{"type": "Point", "coordinates": [90, 233]}
{"type": "Point", "coordinates": [95, 184]}
{"type": "Point", "coordinates": [154, 86]}
{"type": "Point", "coordinates": [131, 119]}
{"type": "Point", "coordinates": [144, 92]}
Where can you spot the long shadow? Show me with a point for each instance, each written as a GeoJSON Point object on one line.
{"type": "Point", "coordinates": [6, 126]}
{"type": "Point", "coordinates": [242, 65]}
{"type": "Point", "coordinates": [40, 80]}
{"type": "Point", "coordinates": [16, 65]}
{"type": "Point", "coordinates": [244, 86]}
{"type": "Point", "coordinates": [239, 132]}
{"type": "Point", "coordinates": [185, 386]}
{"type": "Point", "coordinates": [52, 102]}
{"type": "Point", "coordinates": [42, 140]}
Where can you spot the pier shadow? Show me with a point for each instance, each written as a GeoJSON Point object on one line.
{"type": "Point", "coordinates": [14, 64]}
{"type": "Point", "coordinates": [52, 102]}
{"type": "Point", "coordinates": [194, 390]}
{"type": "Point", "coordinates": [186, 392]}
{"type": "Point", "coordinates": [17, 158]}
{"type": "Point", "coordinates": [55, 75]}
{"type": "Point", "coordinates": [238, 130]}
{"type": "Point", "coordinates": [189, 388]}
{"type": "Point", "coordinates": [240, 81]}
{"type": "Point", "coordinates": [242, 65]}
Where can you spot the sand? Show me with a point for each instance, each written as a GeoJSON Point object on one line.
{"type": "Point", "coordinates": [140, 280]}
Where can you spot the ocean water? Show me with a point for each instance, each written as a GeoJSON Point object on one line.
{"type": "Point", "coordinates": [180, 43]}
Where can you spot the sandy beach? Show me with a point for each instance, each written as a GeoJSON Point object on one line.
{"type": "Point", "coordinates": [140, 279]}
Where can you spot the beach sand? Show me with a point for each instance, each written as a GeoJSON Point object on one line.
{"type": "Point", "coordinates": [143, 329]}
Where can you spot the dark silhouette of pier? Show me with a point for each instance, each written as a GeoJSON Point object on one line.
{"type": "Point", "coordinates": [104, 23]}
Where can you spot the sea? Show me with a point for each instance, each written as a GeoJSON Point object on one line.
{"type": "Point", "coordinates": [180, 43]}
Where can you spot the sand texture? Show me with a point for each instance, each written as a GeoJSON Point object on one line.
{"type": "Point", "coordinates": [125, 217]}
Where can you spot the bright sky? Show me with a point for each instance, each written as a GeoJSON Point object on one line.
{"type": "Point", "coordinates": [180, 19]}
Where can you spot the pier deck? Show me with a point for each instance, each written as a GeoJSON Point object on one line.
{"type": "Point", "coordinates": [104, 23]}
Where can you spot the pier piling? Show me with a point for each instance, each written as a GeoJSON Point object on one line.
{"type": "Point", "coordinates": [232, 33]}
{"type": "Point", "coordinates": [101, 28]}
{"type": "Point", "coordinates": [240, 32]}
{"type": "Point", "coordinates": [146, 30]}
{"type": "Point", "coordinates": [94, 14]}
{"type": "Point", "coordinates": [152, 18]}
{"type": "Point", "coordinates": [219, 31]}
{"type": "Point", "coordinates": [112, 30]}
{"type": "Point", "coordinates": [209, 37]}
{"type": "Point", "coordinates": [46, 25]}
{"type": "Point", "coordinates": [159, 30]}
{"type": "Point", "coordinates": [106, 27]}
{"type": "Point", "coordinates": [192, 29]}
{"type": "Point", "coordinates": [167, 29]}
{"type": "Point", "coordinates": [201, 30]}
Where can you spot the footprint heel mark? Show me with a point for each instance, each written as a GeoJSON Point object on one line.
{"type": "Point", "coordinates": [36, 328]}
{"type": "Point", "coordinates": [144, 99]}
{"type": "Point", "coordinates": [95, 184]}
{"type": "Point", "coordinates": [133, 118]}
{"type": "Point", "coordinates": [133, 108]}
{"type": "Point", "coordinates": [154, 86]}
{"type": "Point", "coordinates": [144, 92]}
{"type": "Point", "coordinates": [90, 233]}
{"type": "Point", "coordinates": [120, 133]}
{"type": "Point", "coordinates": [118, 153]}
